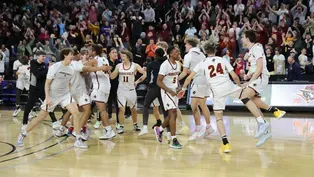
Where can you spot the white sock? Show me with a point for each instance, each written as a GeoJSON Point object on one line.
{"type": "Point", "coordinates": [173, 137]}
{"type": "Point", "coordinates": [144, 126]}
{"type": "Point", "coordinates": [260, 120]}
{"type": "Point", "coordinates": [161, 129]}
{"type": "Point", "coordinates": [108, 128]}
{"type": "Point", "coordinates": [208, 126]}
{"type": "Point", "coordinates": [198, 128]}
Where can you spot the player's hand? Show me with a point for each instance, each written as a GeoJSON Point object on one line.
{"type": "Point", "coordinates": [135, 84]}
{"type": "Point", "coordinates": [172, 93]}
{"type": "Point", "coordinates": [48, 102]}
{"type": "Point", "coordinates": [245, 84]}
{"type": "Point", "coordinates": [106, 68]}
{"type": "Point", "coordinates": [181, 94]}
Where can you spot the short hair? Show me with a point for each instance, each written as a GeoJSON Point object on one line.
{"type": "Point", "coordinates": [210, 46]}
{"type": "Point", "coordinates": [128, 54]}
{"type": "Point", "coordinates": [97, 49]}
{"type": "Point", "coordinates": [41, 52]}
{"type": "Point", "coordinates": [251, 35]}
{"type": "Point", "coordinates": [159, 52]}
{"type": "Point", "coordinates": [75, 51]}
{"type": "Point", "coordinates": [192, 41]}
{"type": "Point", "coordinates": [163, 45]}
{"type": "Point", "coordinates": [64, 52]}
{"type": "Point", "coordinates": [170, 49]}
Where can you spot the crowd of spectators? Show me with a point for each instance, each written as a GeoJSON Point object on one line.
{"type": "Point", "coordinates": [284, 27]}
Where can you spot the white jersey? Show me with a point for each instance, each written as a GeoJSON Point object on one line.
{"type": "Point", "coordinates": [256, 52]}
{"type": "Point", "coordinates": [171, 73]}
{"type": "Point", "coordinates": [61, 76]}
{"type": "Point", "coordinates": [23, 80]}
{"type": "Point", "coordinates": [78, 84]}
{"type": "Point", "coordinates": [24, 72]}
{"type": "Point", "coordinates": [191, 59]}
{"type": "Point", "coordinates": [216, 70]}
{"type": "Point", "coordinates": [101, 79]}
{"type": "Point", "coordinates": [16, 65]}
{"type": "Point", "coordinates": [126, 76]}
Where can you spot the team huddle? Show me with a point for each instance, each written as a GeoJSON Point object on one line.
{"type": "Point", "coordinates": [81, 78]}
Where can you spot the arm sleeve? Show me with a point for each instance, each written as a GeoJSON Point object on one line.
{"type": "Point", "coordinates": [52, 72]}
{"type": "Point", "coordinates": [40, 74]}
{"type": "Point", "coordinates": [187, 61]}
{"type": "Point", "coordinates": [148, 71]}
{"type": "Point", "coordinates": [197, 67]}
{"type": "Point", "coordinates": [228, 66]}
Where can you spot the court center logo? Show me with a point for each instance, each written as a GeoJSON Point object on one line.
{"type": "Point", "coordinates": [307, 94]}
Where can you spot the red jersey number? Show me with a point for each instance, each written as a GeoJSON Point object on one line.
{"type": "Point", "coordinates": [213, 71]}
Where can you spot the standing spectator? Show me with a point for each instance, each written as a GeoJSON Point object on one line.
{"type": "Point", "coordinates": [294, 70]}
{"type": "Point", "coordinates": [303, 59]}
{"type": "Point", "coordinates": [6, 58]}
{"type": "Point", "coordinates": [279, 62]}
{"type": "Point", "coordinates": [149, 14]}
{"type": "Point", "coordinates": [150, 49]}
{"type": "Point", "coordinates": [269, 60]}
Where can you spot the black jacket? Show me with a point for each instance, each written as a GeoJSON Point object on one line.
{"type": "Point", "coordinates": [38, 73]}
{"type": "Point", "coordinates": [153, 70]}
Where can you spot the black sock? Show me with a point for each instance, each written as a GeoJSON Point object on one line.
{"type": "Point", "coordinates": [224, 139]}
{"type": "Point", "coordinates": [158, 122]}
{"type": "Point", "coordinates": [272, 109]}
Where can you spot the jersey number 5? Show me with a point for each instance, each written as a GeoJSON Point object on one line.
{"type": "Point", "coordinates": [213, 71]}
{"type": "Point", "coordinates": [174, 80]}
{"type": "Point", "coordinates": [125, 79]}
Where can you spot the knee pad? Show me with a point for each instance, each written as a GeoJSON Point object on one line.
{"type": "Point", "coordinates": [245, 100]}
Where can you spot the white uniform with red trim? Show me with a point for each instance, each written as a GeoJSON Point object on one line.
{"type": "Point", "coordinates": [62, 77]}
{"type": "Point", "coordinates": [23, 80]}
{"type": "Point", "coordinates": [101, 82]}
{"type": "Point", "coordinates": [216, 70]}
{"type": "Point", "coordinates": [78, 89]}
{"type": "Point", "coordinates": [171, 74]}
{"type": "Point", "coordinates": [126, 90]}
{"type": "Point", "coordinates": [256, 52]}
{"type": "Point", "coordinates": [199, 88]}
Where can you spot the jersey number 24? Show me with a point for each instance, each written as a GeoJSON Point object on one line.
{"type": "Point", "coordinates": [213, 71]}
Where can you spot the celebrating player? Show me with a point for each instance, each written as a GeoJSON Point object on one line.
{"type": "Point", "coordinates": [57, 89]}
{"type": "Point", "coordinates": [126, 89]}
{"type": "Point", "coordinates": [168, 82]}
{"type": "Point", "coordinates": [199, 89]}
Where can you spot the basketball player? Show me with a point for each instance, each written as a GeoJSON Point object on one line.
{"type": "Point", "coordinates": [101, 89]}
{"type": "Point", "coordinates": [38, 73]}
{"type": "Point", "coordinates": [79, 91]}
{"type": "Point", "coordinates": [163, 45]}
{"type": "Point", "coordinates": [126, 89]}
{"type": "Point", "coordinates": [153, 94]}
{"type": "Point", "coordinates": [22, 72]}
{"type": "Point", "coordinates": [217, 70]}
{"type": "Point", "coordinates": [259, 77]}
{"type": "Point", "coordinates": [168, 82]}
{"type": "Point", "coordinates": [57, 89]}
{"type": "Point", "coordinates": [199, 89]}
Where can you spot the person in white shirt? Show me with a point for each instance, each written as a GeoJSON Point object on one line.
{"type": "Point", "coordinates": [238, 8]}
{"type": "Point", "coordinates": [79, 92]}
{"type": "Point", "coordinates": [22, 82]}
{"type": "Point", "coordinates": [57, 89]}
{"type": "Point", "coordinates": [279, 62]}
{"type": "Point", "coordinates": [127, 87]}
{"type": "Point", "coordinates": [191, 31]}
{"type": "Point", "coordinates": [303, 60]}
{"type": "Point", "coordinates": [259, 76]}
{"type": "Point", "coordinates": [199, 89]}
{"type": "Point", "coordinates": [217, 71]}
{"type": "Point", "coordinates": [168, 79]}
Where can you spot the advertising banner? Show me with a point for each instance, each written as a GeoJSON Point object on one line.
{"type": "Point", "coordinates": [286, 95]}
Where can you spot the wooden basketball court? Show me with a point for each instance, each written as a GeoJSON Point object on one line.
{"type": "Point", "coordinates": [290, 152]}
